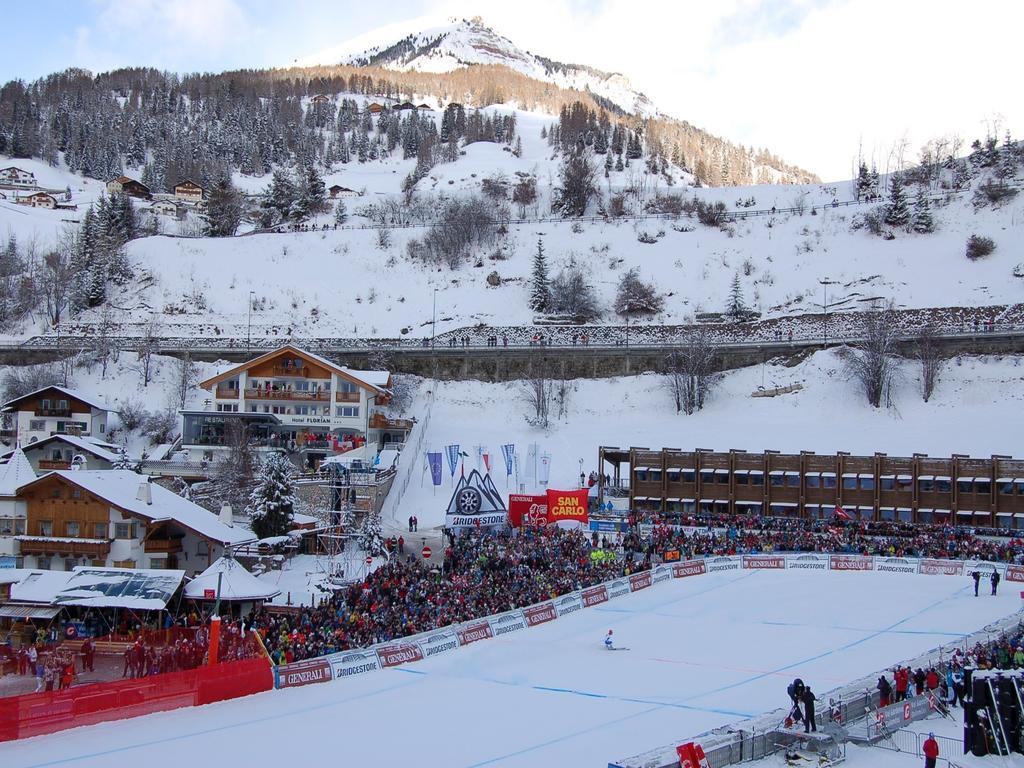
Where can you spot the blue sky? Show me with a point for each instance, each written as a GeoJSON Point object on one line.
{"type": "Point", "coordinates": [810, 79]}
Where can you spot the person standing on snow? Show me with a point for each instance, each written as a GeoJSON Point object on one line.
{"type": "Point", "coordinates": [884, 692]}
{"type": "Point", "coordinates": [995, 581]}
{"type": "Point", "coordinates": [976, 575]}
{"type": "Point", "coordinates": [608, 642]}
{"type": "Point", "coordinates": [931, 751]}
{"type": "Point", "coordinates": [808, 698]}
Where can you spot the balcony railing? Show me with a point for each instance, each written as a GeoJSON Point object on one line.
{"type": "Point", "coordinates": [61, 412]}
{"type": "Point", "coordinates": [170, 546]}
{"type": "Point", "coordinates": [54, 464]}
{"type": "Point", "coordinates": [41, 545]}
{"type": "Point", "coordinates": [286, 394]}
{"type": "Point", "coordinates": [347, 397]}
{"type": "Point", "coordinates": [226, 393]}
{"type": "Point", "coordinates": [301, 372]}
{"type": "Point", "coordinates": [380, 421]}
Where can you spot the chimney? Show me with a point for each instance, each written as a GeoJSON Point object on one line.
{"type": "Point", "coordinates": [145, 494]}
{"type": "Point", "coordinates": [226, 516]}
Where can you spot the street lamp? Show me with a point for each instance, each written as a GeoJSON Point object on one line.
{"type": "Point", "coordinates": [825, 283]}
{"type": "Point", "coordinates": [433, 321]}
{"type": "Point", "coordinates": [248, 333]}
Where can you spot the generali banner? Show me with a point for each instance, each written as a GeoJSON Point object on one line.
{"type": "Point", "coordinates": [539, 614]}
{"type": "Point", "coordinates": [1014, 573]}
{"type": "Point", "coordinates": [304, 673]}
{"type": "Point", "coordinates": [393, 655]}
{"type": "Point", "coordinates": [471, 633]}
{"type": "Point", "coordinates": [568, 505]}
{"type": "Point", "coordinates": [595, 596]}
{"type": "Point", "coordinates": [851, 563]}
{"type": "Point", "coordinates": [773, 562]}
{"type": "Point", "coordinates": [639, 581]}
{"type": "Point", "coordinates": [526, 510]}
{"type": "Point", "coordinates": [689, 568]}
{"type": "Point", "coordinates": [941, 567]}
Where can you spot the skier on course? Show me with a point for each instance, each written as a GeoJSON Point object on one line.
{"type": "Point", "coordinates": [608, 642]}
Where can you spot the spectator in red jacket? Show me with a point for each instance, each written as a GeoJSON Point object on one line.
{"type": "Point", "coordinates": [932, 679]}
{"type": "Point", "coordinates": [931, 751]}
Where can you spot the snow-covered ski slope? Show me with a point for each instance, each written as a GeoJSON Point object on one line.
{"type": "Point", "coordinates": [703, 652]}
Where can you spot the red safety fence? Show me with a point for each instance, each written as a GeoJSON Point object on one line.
{"type": "Point", "coordinates": [35, 714]}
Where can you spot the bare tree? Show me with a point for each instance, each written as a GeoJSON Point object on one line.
{"type": "Point", "coordinates": [927, 353]}
{"type": "Point", "coordinates": [691, 371]}
{"type": "Point", "coordinates": [872, 361]}
{"type": "Point", "coordinates": [147, 348]}
{"type": "Point", "coordinates": [105, 346]}
{"type": "Point", "coordinates": [55, 281]}
{"type": "Point", "coordinates": [538, 394]}
{"type": "Point", "coordinates": [185, 377]}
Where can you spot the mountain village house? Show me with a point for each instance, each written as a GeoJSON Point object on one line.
{"type": "Point", "coordinates": [336, 190]}
{"type": "Point", "coordinates": [53, 411]}
{"type": "Point", "coordinates": [293, 400]}
{"type": "Point", "coordinates": [39, 200]}
{"type": "Point", "coordinates": [16, 178]}
{"type": "Point", "coordinates": [130, 187]}
{"type": "Point", "coordinates": [188, 191]}
{"type": "Point", "coordinates": [171, 208]}
{"type": "Point", "coordinates": [375, 108]}
{"type": "Point", "coordinates": [69, 452]}
{"type": "Point", "coordinates": [320, 99]}
{"type": "Point", "coordinates": [14, 474]}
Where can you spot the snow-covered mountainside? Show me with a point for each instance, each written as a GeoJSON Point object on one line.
{"type": "Point", "coordinates": [469, 42]}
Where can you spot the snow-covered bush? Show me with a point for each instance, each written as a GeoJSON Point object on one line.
{"type": "Point", "coordinates": [979, 246]}
{"type": "Point", "coordinates": [132, 414]}
{"type": "Point", "coordinates": [991, 193]}
{"type": "Point", "coordinates": [635, 297]}
{"type": "Point", "coordinates": [160, 426]}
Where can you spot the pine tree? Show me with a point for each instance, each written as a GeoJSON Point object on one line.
{"type": "Point", "coordinates": [272, 501]}
{"type": "Point", "coordinates": [863, 181]}
{"type": "Point", "coordinates": [923, 221]}
{"type": "Point", "coordinates": [124, 461]}
{"type": "Point", "coordinates": [224, 212]}
{"type": "Point", "coordinates": [897, 213]}
{"type": "Point", "coordinates": [313, 191]}
{"type": "Point", "coordinates": [340, 213]}
{"type": "Point", "coordinates": [737, 307]}
{"type": "Point", "coordinates": [540, 285]}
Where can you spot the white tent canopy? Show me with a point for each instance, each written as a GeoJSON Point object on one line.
{"type": "Point", "coordinates": [237, 584]}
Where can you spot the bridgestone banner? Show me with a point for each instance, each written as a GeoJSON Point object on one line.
{"type": "Point", "coordinates": [353, 663]}
{"type": "Point", "coordinates": [984, 567]}
{"type": "Point", "coordinates": [568, 604]}
{"type": "Point", "coordinates": [471, 633]}
{"type": "Point", "coordinates": [851, 563]}
{"type": "Point", "coordinates": [438, 642]}
{"type": "Point", "coordinates": [304, 673]}
{"type": "Point", "coordinates": [895, 565]}
{"type": "Point", "coordinates": [619, 587]}
{"type": "Point", "coordinates": [539, 614]}
{"type": "Point", "coordinates": [661, 573]}
{"type": "Point", "coordinates": [513, 621]}
{"type": "Point", "coordinates": [638, 581]}
{"type": "Point", "coordinates": [772, 562]}
{"type": "Point", "coordinates": [723, 564]}
{"type": "Point", "coordinates": [393, 655]}
{"type": "Point", "coordinates": [594, 596]}
{"type": "Point", "coordinates": [808, 562]}
{"type": "Point", "coordinates": [689, 568]}
{"type": "Point", "coordinates": [941, 568]}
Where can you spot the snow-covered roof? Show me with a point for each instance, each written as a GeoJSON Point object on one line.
{"type": "Point", "coordinates": [15, 473]}
{"type": "Point", "coordinates": [75, 394]}
{"type": "Point", "coordinates": [374, 380]}
{"type": "Point", "coordinates": [103, 587]}
{"type": "Point", "coordinates": [236, 583]}
{"type": "Point", "coordinates": [81, 444]}
{"type": "Point", "coordinates": [120, 487]}
{"type": "Point", "coordinates": [39, 586]}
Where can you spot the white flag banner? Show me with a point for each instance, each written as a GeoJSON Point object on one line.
{"type": "Point", "coordinates": [544, 469]}
{"type": "Point", "coordinates": [530, 470]}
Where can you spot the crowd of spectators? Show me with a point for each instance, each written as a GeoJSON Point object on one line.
{"type": "Point", "coordinates": [481, 575]}
{"type": "Point", "coordinates": [737, 535]}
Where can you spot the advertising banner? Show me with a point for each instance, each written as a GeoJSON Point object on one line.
{"type": "Point", "coordinates": [671, 555]}
{"type": "Point", "coordinates": [638, 581]}
{"type": "Point", "coordinates": [807, 562]}
{"type": "Point", "coordinates": [539, 614]}
{"type": "Point", "coordinates": [851, 563]}
{"type": "Point", "coordinates": [434, 462]}
{"type": "Point", "coordinates": [661, 573]}
{"type": "Point", "coordinates": [594, 596]}
{"type": "Point", "coordinates": [471, 633]}
{"type": "Point", "coordinates": [393, 655]}
{"type": "Point", "coordinates": [353, 663]}
{"type": "Point", "coordinates": [508, 452]}
{"type": "Point", "coordinates": [544, 469]}
{"type": "Point", "coordinates": [722, 564]}
{"type": "Point", "coordinates": [774, 562]}
{"type": "Point", "coordinates": [984, 567]}
{"type": "Point", "coordinates": [1014, 573]}
{"type": "Point", "coordinates": [504, 623]}
{"type": "Point", "coordinates": [568, 603]}
{"type": "Point", "coordinates": [689, 568]}
{"type": "Point", "coordinates": [619, 587]}
{"type": "Point", "coordinates": [527, 510]}
{"type": "Point", "coordinates": [607, 526]}
{"type": "Point", "coordinates": [438, 642]}
{"type": "Point", "coordinates": [941, 567]}
{"type": "Point", "coordinates": [567, 505]}
{"type": "Point", "coordinates": [895, 565]}
{"type": "Point", "coordinates": [304, 673]}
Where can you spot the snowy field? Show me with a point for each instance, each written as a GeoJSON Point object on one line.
{"type": "Point", "coordinates": [702, 652]}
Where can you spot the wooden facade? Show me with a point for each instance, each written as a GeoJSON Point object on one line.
{"type": "Point", "coordinates": [956, 490]}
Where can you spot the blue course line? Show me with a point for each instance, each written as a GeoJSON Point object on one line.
{"type": "Point", "coordinates": [861, 629]}
{"type": "Point", "coordinates": [217, 729]}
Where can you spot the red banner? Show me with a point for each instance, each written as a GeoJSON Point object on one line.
{"type": "Point", "coordinates": [527, 510]}
{"type": "Point", "coordinates": [393, 655]}
{"type": "Point", "coordinates": [640, 580]}
{"type": "Point", "coordinates": [1014, 573]}
{"type": "Point", "coordinates": [304, 673]}
{"type": "Point", "coordinates": [595, 596]}
{"type": "Point", "coordinates": [942, 567]}
{"type": "Point", "coordinates": [764, 561]}
{"type": "Point", "coordinates": [851, 563]}
{"type": "Point", "coordinates": [568, 505]}
{"type": "Point", "coordinates": [689, 568]}
{"type": "Point", "coordinates": [473, 632]}
{"type": "Point", "coordinates": [539, 614]}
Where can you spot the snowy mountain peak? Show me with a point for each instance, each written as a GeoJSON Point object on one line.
{"type": "Point", "coordinates": [470, 42]}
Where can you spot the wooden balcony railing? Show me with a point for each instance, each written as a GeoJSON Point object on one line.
{"type": "Point", "coordinates": [61, 412]}
{"type": "Point", "coordinates": [347, 397]}
{"type": "Point", "coordinates": [380, 421]}
{"type": "Point", "coordinates": [226, 393]}
{"type": "Point", "coordinates": [286, 394]}
{"type": "Point", "coordinates": [54, 464]}
{"type": "Point", "coordinates": [170, 546]}
{"type": "Point", "coordinates": [300, 372]}
{"type": "Point", "coordinates": [63, 546]}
